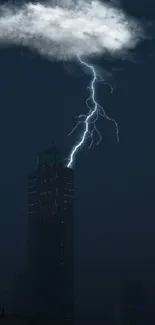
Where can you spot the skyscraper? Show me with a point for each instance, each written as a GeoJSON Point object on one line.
{"type": "Point", "coordinates": [50, 237]}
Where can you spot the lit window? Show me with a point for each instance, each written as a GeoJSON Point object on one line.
{"type": "Point", "coordinates": [31, 204]}
{"type": "Point", "coordinates": [32, 212]}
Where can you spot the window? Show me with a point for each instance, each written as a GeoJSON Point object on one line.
{"type": "Point", "coordinates": [32, 182]}
{"type": "Point", "coordinates": [43, 181]}
{"type": "Point", "coordinates": [33, 192]}
{"type": "Point", "coordinates": [46, 206]}
{"type": "Point", "coordinates": [43, 168]}
{"type": "Point", "coordinates": [32, 213]}
{"type": "Point", "coordinates": [31, 186]}
{"type": "Point", "coordinates": [31, 204]}
{"type": "Point", "coordinates": [69, 195]}
{"type": "Point", "coordinates": [67, 183]}
{"type": "Point", "coordinates": [43, 193]}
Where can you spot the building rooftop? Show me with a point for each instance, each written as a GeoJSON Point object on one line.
{"type": "Point", "coordinates": [15, 319]}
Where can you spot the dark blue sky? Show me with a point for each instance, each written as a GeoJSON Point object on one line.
{"type": "Point", "coordinates": [114, 212]}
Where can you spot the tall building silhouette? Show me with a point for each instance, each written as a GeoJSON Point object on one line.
{"type": "Point", "coordinates": [133, 304]}
{"type": "Point", "coordinates": [50, 238]}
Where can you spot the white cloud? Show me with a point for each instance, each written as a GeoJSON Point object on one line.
{"type": "Point", "coordinates": [61, 32]}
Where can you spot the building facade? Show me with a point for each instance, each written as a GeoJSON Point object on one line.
{"type": "Point", "coordinates": [51, 238]}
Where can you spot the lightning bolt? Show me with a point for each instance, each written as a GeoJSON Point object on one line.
{"type": "Point", "coordinates": [92, 116]}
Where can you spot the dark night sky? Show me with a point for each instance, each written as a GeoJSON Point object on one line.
{"type": "Point", "coordinates": [115, 184]}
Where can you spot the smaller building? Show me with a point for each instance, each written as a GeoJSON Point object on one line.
{"type": "Point", "coordinates": [133, 305]}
